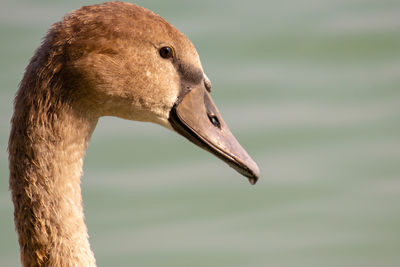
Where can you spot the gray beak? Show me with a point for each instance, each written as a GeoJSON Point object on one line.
{"type": "Point", "coordinates": [197, 118]}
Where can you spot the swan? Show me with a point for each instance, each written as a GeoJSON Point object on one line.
{"type": "Point", "coordinates": [112, 59]}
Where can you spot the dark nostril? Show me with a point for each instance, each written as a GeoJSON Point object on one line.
{"type": "Point", "coordinates": [214, 120]}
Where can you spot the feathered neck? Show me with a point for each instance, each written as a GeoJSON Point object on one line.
{"type": "Point", "coordinates": [50, 133]}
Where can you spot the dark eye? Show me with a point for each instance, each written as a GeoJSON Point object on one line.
{"type": "Point", "coordinates": [166, 52]}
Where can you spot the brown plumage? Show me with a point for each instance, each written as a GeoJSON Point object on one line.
{"type": "Point", "coordinates": [101, 60]}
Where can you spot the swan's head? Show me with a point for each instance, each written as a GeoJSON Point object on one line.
{"type": "Point", "coordinates": [133, 64]}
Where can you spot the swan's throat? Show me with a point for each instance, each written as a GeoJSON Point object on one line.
{"type": "Point", "coordinates": [46, 153]}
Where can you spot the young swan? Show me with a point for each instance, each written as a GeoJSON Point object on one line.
{"type": "Point", "coordinates": [113, 59]}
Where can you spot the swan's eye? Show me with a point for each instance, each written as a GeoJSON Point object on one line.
{"type": "Point", "coordinates": [167, 52]}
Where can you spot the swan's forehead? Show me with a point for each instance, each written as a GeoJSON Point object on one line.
{"type": "Point", "coordinates": [129, 25]}
{"type": "Point", "coordinates": [157, 32]}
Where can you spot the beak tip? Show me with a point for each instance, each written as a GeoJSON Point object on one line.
{"type": "Point", "coordinates": [253, 180]}
{"type": "Point", "coordinates": [254, 172]}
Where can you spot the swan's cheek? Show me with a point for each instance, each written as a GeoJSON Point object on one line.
{"type": "Point", "coordinates": [163, 87]}
{"type": "Point", "coordinates": [162, 109]}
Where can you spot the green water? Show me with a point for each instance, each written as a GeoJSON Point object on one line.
{"type": "Point", "coordinates": [312, 91]}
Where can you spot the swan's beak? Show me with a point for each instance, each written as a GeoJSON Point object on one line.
{"type": "Point", "coordinates": [197, 118]}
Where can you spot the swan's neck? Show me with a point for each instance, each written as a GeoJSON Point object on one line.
{"type": "Point", "coordinates": [47, 145]}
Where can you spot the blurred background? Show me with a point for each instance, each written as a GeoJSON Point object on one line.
{"type": "Point", "coordinates": [310, 88]}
